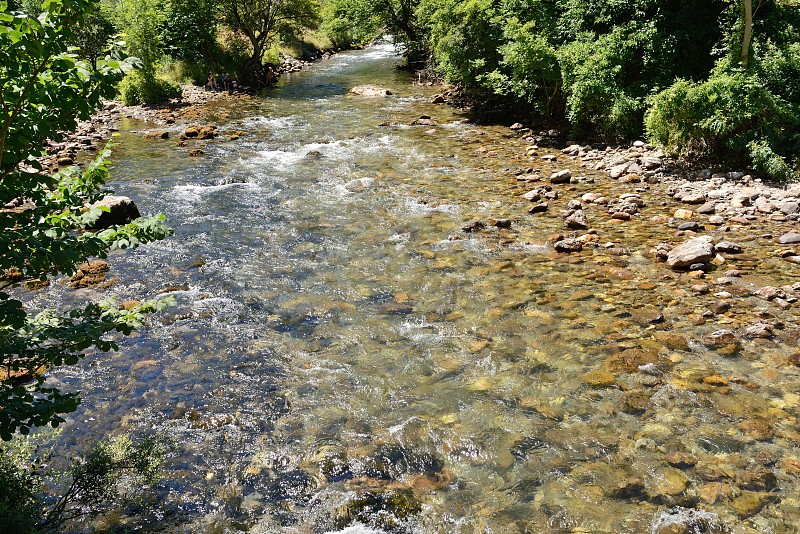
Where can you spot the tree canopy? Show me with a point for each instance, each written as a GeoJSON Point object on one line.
{"type": "Point", "coordinates": [44, 90]}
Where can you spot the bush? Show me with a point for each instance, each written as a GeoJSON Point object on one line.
{"type": "Point", "coordinates": [731, 114]}
{"type": "Point", "coordinates": [137, 88]}
{"type": "Point", "coordinates": [111, 474]}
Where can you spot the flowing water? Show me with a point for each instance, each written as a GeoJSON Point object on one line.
{"type": "Point", "coordinates": [344, 358]}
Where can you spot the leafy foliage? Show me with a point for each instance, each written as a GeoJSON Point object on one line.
{"type": "Point", "coordinates": [110, 474]}
{"type": "Point", "coordinates": [45, 89]}
{"type": "Point", "coordinates": [263, 21]}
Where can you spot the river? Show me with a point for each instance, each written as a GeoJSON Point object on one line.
{"type": "Point", "coordinates": [343, 357]}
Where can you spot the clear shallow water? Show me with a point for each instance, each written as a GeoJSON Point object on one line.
{"type": "Point", "coordinates": [343, 358]}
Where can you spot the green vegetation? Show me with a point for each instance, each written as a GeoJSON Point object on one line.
{"type": "Point", "coordinates": [109, 475]}
{"type": "Point", "coordinates": [45, 90]}
{"type": "Point", "coordinates": [717, 78]}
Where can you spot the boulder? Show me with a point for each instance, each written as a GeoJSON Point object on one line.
{"type": "Point", "coordinates": [121, 210]}
{"type": "Point", "coordinates": [697, 250]}
{"type": "Point", "coordinates": [370, 91]}
{"type": "Point", "coordinates": [568, 245]}
{"type": "Point", "coordinates": [789, 239]}
{"type": "Point", "coordinates": [577, 221]}
{"type": "Point", "coordinates": [561, 177]}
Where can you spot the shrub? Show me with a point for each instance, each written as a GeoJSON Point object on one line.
{"type": "Point", "coordinates": [731, 114]}
{"type": "Point", "coordinates": [137, 88]}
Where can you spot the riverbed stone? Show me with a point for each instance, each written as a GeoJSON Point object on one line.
{"type": "Point", "coordinates": [568, 245]}
{"type": "Point", "coordinates": [577, 221]}
{"type": "Point", "coordinates": [749, 503]}
{"type": "Point", "coordinates": [370, 90]}
{"type": "Point", "coordinates": [697, 250]}
{"type": "Point", "coordinates": [790, 238]}
{"type": "Point", "coordinates": [561, 177]}
{"type": "Point", "coordinates": [599, 378]}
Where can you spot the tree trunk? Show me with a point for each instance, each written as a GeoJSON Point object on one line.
{"type": "Point", "coordinates": [748, 31]}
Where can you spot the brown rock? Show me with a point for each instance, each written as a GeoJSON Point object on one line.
{"type": "Point", "coordinates": [89, 274]}
{"type": "Point", "coordinates": [749, 503]}
{"type": "Point", "coordinates": [599, 378]}
{"type": "Point", "coordinates": [629, 360]}
{"type": "Point", "coordinates": [758, 429]}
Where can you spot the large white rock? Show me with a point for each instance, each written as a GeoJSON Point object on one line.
{"type": "Point", "coordinates": [697, 250]}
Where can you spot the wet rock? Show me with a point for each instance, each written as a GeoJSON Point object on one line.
{"type": "Point", "coordinates": [666, 484]}
{"type": "Point", "coordinates": [568, 245]}
{"type": "Point", "coordinates": [681, 460]}
{"type": "Point", "coordinates": [424, 120]}
{"type": "Point", "coordinates": [393, 461]}
{"type": "Point", "coordinates": [759, 330]}
{"type": "Point", "coordinates": [561, 177]}
{"type": "Point", "coordinates": [770, 293]}
{"type": "Point", "coordinates": [635, 402]}
{"type": "Point", "coordinates": [89, 274]}
{"type": "Point", "coordinates": [121, 210]}
{"type": "Point", "coordinates": [163, 134]}
{"type": "Point", "coordinates": [599, 378]}
{"type": "Point", "coordinates": [698, 250]}
{"type": "Point", "coordinates": [370, 91]}
{"type": "Point", "coordinates": [438, 99]}
{"type": "Point", "coordinates": [577, 221]}
{"type": "Point", "coordinates": [726, 247]}
{"type": "Point", "coordinates": [630, 360]}
{"type": "Point", "coordinates": [790, 238]}
{"type": "Point", "coordinates": [749, 503]}
{"type": "Point", "coordinates": [295, 486]}
{"type": "Point", "coordinates": [761, 479]}
{"type": "Point", "coordinates": [690, 227]}
{"type": "Point", "coordinates": [502, 223]}
{"type": "Point", "coordinates": [386, 510]}
{"type": "Point", "coordinates": [720, 307]}
{"type": "Point", "coordinates": [474, 226]}
{"type": "Point", "coordinates": [196, 152]}
{"type": "Point", "coordinates": [647, 315]}
{"type": "Point", "coordinates": [672, 340]}
{"type": "Point", "coordinates": [758, 429]}
{"type": "Point", "coordinates": [539, 208]}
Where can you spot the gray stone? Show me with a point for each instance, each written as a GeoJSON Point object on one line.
{"type": "Point", "coordinates": [577, 221]}
{"type": "Point", "coordinates": [789, 239]}
{"type": "Point", "coordinates": [694, 197]}
{"type": "Point", "coordinates": [539, 208]}
{"type": "Point", "coordinates": [561, 177]}
{"type": "Point", "coordinates": [707, 209]}
{"type": "Point", "coordinates": [728, 247]}
{"type": "Point", "coordinates": [121, 210]}
{"type": "Point", "coordinates": [618, 170]}
{"type": "Point", "coordinates": [698, 250]}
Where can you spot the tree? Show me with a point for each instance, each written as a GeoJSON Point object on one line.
{"type": "Point", "coordinates": [262, 21]}
{"type": "Point", "coordinates": [91, 36]}
{"type": "Point", "coordinates": [44, 90]}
